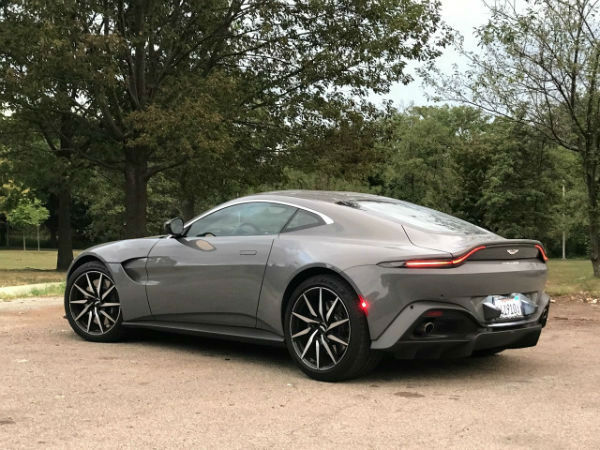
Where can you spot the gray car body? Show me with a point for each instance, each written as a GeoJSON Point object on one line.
{"type": "Point", "coordinates": [237, 286]}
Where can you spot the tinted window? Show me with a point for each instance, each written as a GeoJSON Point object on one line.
{"type": "Point", "coordinates": [303, 219]}
{"type": "Point", "coordinates": [246, 219]}
{"type": "Point", "coordinates": [421, 217]}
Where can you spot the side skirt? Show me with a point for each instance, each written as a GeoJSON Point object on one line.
{"type": "Point", "coordinates": [241, 334]}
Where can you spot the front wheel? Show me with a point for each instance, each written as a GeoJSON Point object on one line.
{"type": "Point", "coordinates": [92, 304]}
{"type": "Point", "coordinates": [326, 332]}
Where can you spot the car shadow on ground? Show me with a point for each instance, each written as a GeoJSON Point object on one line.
{"type": "Point", "coordinates": [213, 347]}
{"type": "Point", "coordinates": [390, 369]}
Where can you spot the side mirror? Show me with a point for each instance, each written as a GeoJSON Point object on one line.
{"type": "Point", "coordinates": [174, 227]}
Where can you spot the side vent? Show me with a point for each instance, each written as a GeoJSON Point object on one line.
{"type": "Point", "coordinates": [136, 269]}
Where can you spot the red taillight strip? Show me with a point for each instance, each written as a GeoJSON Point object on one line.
{"type": "Point", "coordinates": [430, 263]}
{"type": "Point", "coordinates": [542, 252]}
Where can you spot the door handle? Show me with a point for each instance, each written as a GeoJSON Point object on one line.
{"type": "Point", "coordinates": [247, 252]}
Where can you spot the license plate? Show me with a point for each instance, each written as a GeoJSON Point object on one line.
{"type": "Point", "coordinates": [510, 307]}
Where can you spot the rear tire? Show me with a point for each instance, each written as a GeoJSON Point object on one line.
{"type": "Point", "coordinates": [487, 352]}
{"type": "Point", "coordinates": [326, 332]}
{"type": "Point", "coordinates": [92, 304]}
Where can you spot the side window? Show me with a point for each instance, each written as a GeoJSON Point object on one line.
{"type": "Point", "coordinates": [246, 219]}
{"type": "Point", "coordinates": [303, 219]}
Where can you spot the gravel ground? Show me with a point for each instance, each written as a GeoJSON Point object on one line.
{"type": "Point", "coordinates": [159, 391]}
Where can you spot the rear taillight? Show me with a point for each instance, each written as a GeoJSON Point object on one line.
{"type": "Point", "coordinates": [441, 263]}
{"type": "Point", "coordinates": [542, 252]}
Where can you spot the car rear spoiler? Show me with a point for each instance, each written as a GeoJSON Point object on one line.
{"type": "Point", "coordinates": [502, 249]}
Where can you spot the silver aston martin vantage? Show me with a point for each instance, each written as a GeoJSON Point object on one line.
{"type": "Point", "coordinates": [339, 278]}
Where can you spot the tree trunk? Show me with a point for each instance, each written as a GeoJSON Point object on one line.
{"type": "Point", "coordinates": [53, 243]}
{"type": "Point", "coordinates": [24, 245]}
{"type": "Point", "coordinates": [65, 233]}
{"type": "Point", "coordinates": [189, 207]}
{"type": "Point", "coordinates": [37, 235]}
{"type": "Point", "coordinates": [594, 218]}
{"type": "Point", "coordinates": [595, 244]}
{"type": "Point", "coordinates": [136, 196]}
{"type": "Point", "coordinates": [188, 199]}
{"type": "Point", "coordinates": [52, 222]}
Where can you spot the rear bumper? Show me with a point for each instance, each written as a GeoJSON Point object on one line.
{"type": "Point", "coordinates": [457, 333]}
{"type": "Point", "coordinates": [457, 348]}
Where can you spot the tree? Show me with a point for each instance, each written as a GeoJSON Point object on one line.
{"type": "Point", "coordinates": [28, 213]}
{"type": "Point", "coordinates": [490, 171]}
{"type": "Point", "coordinates": [42, 160]}
{"type": "Point", "coordinates": [539, 65]}
{"type": "Point", "coordinates": [169, 81]}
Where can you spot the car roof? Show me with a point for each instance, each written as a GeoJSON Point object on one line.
{"type": "Point", "coordinates": [327, 196]}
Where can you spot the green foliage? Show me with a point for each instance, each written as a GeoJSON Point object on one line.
{"type": "Point", "coordinates": [143, 87]}
{"type": "Point", "coordinates": [501, 175]}
{"type": "Point", "coordinates": [490, 172]}
{"type": "Point", "coordinates": [28, 213]}
{"type": "Point", "coordinates": [160, 109]}
{"type": "Point", "coordinates": [538, 64]}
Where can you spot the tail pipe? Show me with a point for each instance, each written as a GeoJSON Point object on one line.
{"type": "Point", "coordinates": [425, 328]}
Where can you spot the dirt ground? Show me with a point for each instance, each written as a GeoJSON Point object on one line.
{"type": "Point", "coordinates": [158, 391]}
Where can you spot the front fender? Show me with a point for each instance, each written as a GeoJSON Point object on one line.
{"type": "Point", "coordinates": [132, 294]}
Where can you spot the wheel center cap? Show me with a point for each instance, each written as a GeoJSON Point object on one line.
{"type": "Point", "coordinates": [97, 303]}
{"type": "Point", "coordinates": [323, 327]}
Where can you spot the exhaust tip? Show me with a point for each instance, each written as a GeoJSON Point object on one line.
{"type": "Point", "coordinates": [428, 327]}
{"type": "Point", "coordinates": [425, 328]}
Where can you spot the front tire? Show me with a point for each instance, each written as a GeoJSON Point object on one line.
{"type": "Point", "coordinates": [92, 304]}
{"type": "Point", "coordinates": [326, 332]}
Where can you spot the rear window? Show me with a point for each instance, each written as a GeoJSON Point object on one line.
{"type": "Point", "coordinates": [419, 216]}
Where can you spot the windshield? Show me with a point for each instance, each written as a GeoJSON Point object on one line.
{"type": "Point", "coordinates": [419, 216]}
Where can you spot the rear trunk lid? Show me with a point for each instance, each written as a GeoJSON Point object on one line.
{"type": "Point", "coordinates": [495, 247]}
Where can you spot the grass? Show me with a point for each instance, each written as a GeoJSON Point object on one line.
{"type": "Point", "coordinates": [30, 267]}
{"type": "Point", "coordinates": [30, 259]}
{"type": "Point", "coordinates": [54, 290]}
{"type": "Point", "coordinates": [570, 277]}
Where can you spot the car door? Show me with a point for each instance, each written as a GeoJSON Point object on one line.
{"type": "Point", "coordinates": [214, 274]}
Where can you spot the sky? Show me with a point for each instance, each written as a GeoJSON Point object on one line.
{"type": "Point", "coordinates": [463, 16]}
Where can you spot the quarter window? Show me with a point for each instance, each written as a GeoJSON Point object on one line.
{"type": "Point", "coordinates": [246, 219]}
{"type": "Point", "coordinates": [303, 219]}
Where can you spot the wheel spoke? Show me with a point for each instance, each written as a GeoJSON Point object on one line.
{"type": "Point", "coordinates": [106, 292]}
{"type": "Point", "coordinates": [90, 286]}
{"type": "Point", "coordinates": [79, 302]}
{"type": "Point", "coordinates": [301, 333]}
{"type": "Point", "coordinates": [98, 319]}
{"type": "Point", "coordinates": [321, 303]}
{"type": "Point", "coordinates": [99, 288]}
{"type": "Point", "coordinates": [328, 349]}
{"type": "Point", "coordinates": [107, 316]}
{"type": "Point", "coordinates": [331, 309]}
{"type": "Point", "coordinates": [334, 338]}
{"type": "Point", "coordinates": [108, 305]}
{"type": "Point", "coordinates": [310, 308]}
{"type": "Point", "coordinates": [303, 318]}
{"type": "Point", "coordinates": [309, 343]}
{"type": "Point", "coordinates": [89, 322]}
{"type": "Point", "coordinates": [83, 291]}
{"type": "Point", "coordinates": [86, 309]}
{"type": "Point", "coordinates": [337, 324]}
{"type": "Point", "coordinates": [318, 353]}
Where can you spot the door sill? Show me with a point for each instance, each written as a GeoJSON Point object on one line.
{"type": "Point", "coordinates": [241, 334]}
